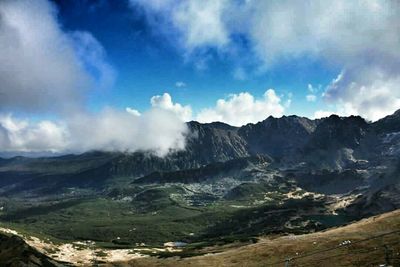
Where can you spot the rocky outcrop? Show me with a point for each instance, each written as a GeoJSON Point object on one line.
{"type": "Point", "coordinates": [15, 252]}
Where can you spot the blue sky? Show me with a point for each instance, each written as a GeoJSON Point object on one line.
{"type": "Point", "coordinates": [126, 75]}
{"type": "Point", "coordinates": [148, 64]}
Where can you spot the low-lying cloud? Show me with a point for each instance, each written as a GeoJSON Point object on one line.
{"type": "Point", "coordinates": [158, 131]}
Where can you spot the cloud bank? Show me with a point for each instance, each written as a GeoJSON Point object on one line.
{"type": "Point", "coordinates": [109, 130]}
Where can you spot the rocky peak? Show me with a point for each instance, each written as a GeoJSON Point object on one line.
{"type": "Point", "coordinates": [277, 136]}
{"type": "Point", "coordinates": [338, 132]}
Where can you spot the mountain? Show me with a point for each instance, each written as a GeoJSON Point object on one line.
{"type": "Point", "coordinates": [288, 175]}
{"type": "Point", "coordinates": [335, 132]}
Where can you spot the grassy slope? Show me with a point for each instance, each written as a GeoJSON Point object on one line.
{"type": "Point", "coordinates": [270, 250]}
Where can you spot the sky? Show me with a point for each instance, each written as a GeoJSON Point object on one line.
{"type": "Point", "coordinates": [125, 75]}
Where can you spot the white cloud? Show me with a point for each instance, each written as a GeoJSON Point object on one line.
{"type": "Point", "coordinates": [42, 67]}
{"type": "Point", "coordinates": [165, 102]}
{"type": "Point", "coordinates": [338, 30]}
{"type": "Point", "coordinates": [311, 98]}
{"type": "Point", "coordinates": [370, 93]}
{"type": "Point", "coordinates": [156, 130]}
{"type": "Point", "coordinates": [243, 108]}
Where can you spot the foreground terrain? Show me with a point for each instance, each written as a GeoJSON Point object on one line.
{"type": "Point", "coordinates": [369, 242]}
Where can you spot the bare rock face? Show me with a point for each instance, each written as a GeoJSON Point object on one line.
{"type": "Point", "coordinates": [278, 137]}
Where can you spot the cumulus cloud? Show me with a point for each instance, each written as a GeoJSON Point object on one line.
{"type": "Point", "coordinates": [362, 37]}
{"type": "Point", "coordinates": [243, 108]}
{"type": "Point", "coordinates": [43, 67]}
{"type": "Point", "coordinates": [164, 102]}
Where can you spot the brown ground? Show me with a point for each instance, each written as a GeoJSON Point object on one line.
{"type": "Point", "coordinates": [268, 251]}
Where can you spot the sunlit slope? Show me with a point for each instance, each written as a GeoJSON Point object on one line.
{"type": "Point", "coordinates": [358, 244]}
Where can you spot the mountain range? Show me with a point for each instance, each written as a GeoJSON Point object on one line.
{"type": "Point", "coordinates": [281, 175]}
